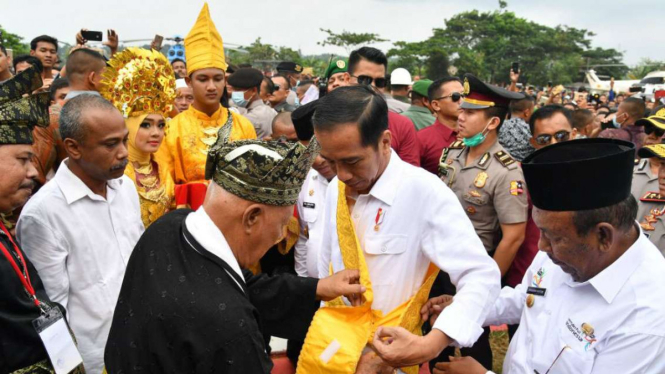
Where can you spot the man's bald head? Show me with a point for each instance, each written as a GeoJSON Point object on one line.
{"type": "Point", "coordinates": [282, 125]}
{"type": "Point", "coordinates": [84, 69]}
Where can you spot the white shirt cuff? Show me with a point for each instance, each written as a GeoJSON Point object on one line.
{"type": "Point", "coordinates": [463, 331]}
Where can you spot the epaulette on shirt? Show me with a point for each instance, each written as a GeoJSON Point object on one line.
{"type": "Point", "coordinates": [641, 164]}
{"type": "Point", "coordinates": [458, 144]}
{"type": "Point", "coordinates": [505, 159]}
{"type": "Point", "coordinates": [653, 197]}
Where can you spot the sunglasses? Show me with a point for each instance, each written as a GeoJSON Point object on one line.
{"type": "Point", "coordinates": [560, 136]}
{"type": "Point", "coordinates": [454, 97]}
{"type": "Point", "coordinates": [367, 81]}
{"type": "Point", "coordinates": [648, 129]}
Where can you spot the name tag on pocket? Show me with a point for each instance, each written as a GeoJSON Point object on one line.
{"type": "Point", "coordinates": [58, 342]}
{"type": "Point", "coordinates": [309, 205]}
{"type": "Point", "coordinates": [536, 291]}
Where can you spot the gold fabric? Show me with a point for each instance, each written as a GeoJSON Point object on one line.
{"type": "Point", "coordinates": [204, 47]}
{"type": "Point", "coordinates": [139, 81]}
{"type": "Point", "coordinates": [352, 328]}
{"type": "Point", "coordinates": [189, 136]}
{"type": "Point", "coordinates": [45, 367]}
{"type": "Point", "coordinates": [153, 182]}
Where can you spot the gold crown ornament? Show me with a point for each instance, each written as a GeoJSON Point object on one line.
{"type": "Point", "coordinates": [139, 81]}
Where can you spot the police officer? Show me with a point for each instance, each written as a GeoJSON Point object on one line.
{"type": "Point", "coordinates": [645, 175]}
{"type": "Point", "coordinates": [292, 71]}
{"type": "Point", "coordinates": [487, 181]}
{"type": "Point", "coordinates": [652, 205]}
{"type": "Point", "coordinates": [245, 88]}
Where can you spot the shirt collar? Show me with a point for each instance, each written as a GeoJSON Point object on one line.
{"type": "Point", "coordinates": [419, 109]}
{"type": "Point", "coordinates": [483, 161]}
{"type": "Point", "coordinates": [447, 131]}
{"type": "Point", "coordinates": [73, 94]}
{"type": "Point", "coordinates": [219, 115]}
{"type": "Point", "coordinates": [206, 233]}
{"type": "Point", "coordinates": [609, 282]}
{"type": "Point", "coordinates": [647, 170]}
{"type": "Point", "coordinates": [74, 189]}
{"type": "Point", "coordinates": [385, 188]}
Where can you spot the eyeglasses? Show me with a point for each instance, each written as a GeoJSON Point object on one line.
{"type": "Point", "coordinates": [454, 97]}
{"type": "Point", "coordinates": [366, 80]}
{"type": "Point", "coordinates": [648, 129]}
{"type": "Point", "coordinates": [560, 136]}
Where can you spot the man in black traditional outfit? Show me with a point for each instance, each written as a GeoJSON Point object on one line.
{"type": "Point", "coordinates": [186, 306]}
{"type": "Point", "coordinates": [22, 295]}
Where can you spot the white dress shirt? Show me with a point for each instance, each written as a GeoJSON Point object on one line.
{"type": "Point", "coordinates": [80, 244]}
{"type": "Point", "coordinates": [624, 305]}
{"type": "Point", "coordinates": [204, 230]}
{"type": "Point", "coordinates": [310, 205]}
{"type": "Point", "coordinates": [422, 222]}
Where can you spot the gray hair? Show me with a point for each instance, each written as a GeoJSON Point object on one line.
{"type": "Point", "coordinates": [71, 125]}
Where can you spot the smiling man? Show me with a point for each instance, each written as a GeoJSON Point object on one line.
{"type": "Point", "coordinates": [592, 300]}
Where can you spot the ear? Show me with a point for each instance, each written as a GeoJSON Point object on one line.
{"type": "Point", "coordinates": [384, 143]}
{"type": "Point", "coordinates": [494, 123]}
{"type": "Point", "coordinates": [346, 78]}
{"type": "Point", "coordinates": [91, 79]}
{"type": "Point", "coordinates": [606, 235]}
{"type": "Point", "coordinates": [532, 140]}
{"type": "Point", "coordinates": [73, 148]}
{"type": "Point", "coordinates": [33, 53]}
{"type": "Point", "coordinates": [188, 80]}
{"type": "Point", "coordinates": [251, 218]}
{"type": "Point", "coordinates": [435, 106]}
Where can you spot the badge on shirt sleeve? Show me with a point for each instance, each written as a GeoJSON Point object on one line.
{"type": "Point", "coordinates": [516, 188]}
{"type": "Point", "coordinates": [58, 342]}
{"type": "Point", "coordinates": [481, 180]}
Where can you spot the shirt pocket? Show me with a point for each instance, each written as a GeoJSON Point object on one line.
{"type": "Point", "coordinates": [310, 212]}
{"type": "Point", "coordinates": [572, 355]}
{"type": "Point", "coordinates": [393, 244]}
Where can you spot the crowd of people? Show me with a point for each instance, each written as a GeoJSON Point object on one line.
{"type": "Point", "coordinates": [172, 214]}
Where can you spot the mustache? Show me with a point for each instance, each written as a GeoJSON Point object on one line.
{"type": "Point", "coordinates": [120, 166]}
{"type": "Point", "coordinates": [29, 184]}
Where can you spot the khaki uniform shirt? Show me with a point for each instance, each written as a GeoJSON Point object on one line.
{"type": "Point", "coordinates": [491, 189]}
{"type": "Point", "coordinates": [651, 204]}
{"type": "Point", "coordinates": [261, 116]}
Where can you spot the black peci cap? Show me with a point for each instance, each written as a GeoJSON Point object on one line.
{"type": "Point", "coordinates": [580, 174]}
{"type": "Point", "coordinates": [246, 78]}
{"type": "Point", "coordinates": [302, 120]}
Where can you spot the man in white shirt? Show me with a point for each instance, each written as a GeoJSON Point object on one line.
{"type": "Point", "coordinates": [79, 229]}
{"type": "Point", "coordinates": [404, 219]}
{"type": "Point", "coordinates": [592, 300]}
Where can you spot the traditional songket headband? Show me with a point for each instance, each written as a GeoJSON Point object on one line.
{"type": "Point", "coordinates": [269, 173]}
{"type": "Point", "coordinates": [19, 114]}
{"type": "Point", "coordinates": [580, 174]}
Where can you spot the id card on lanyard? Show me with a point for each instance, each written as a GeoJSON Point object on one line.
{"type": "Point", "coordinates": [51, 325]}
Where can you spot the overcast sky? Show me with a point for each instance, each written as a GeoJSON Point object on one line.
{"type": "Point", "coordinates": [631, 26]}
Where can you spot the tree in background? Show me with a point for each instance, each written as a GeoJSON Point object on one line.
{"type": "Point", "coordinates": [13, 42]}
{"type": "Point", "coordinates": [644, 67]}
{"type": "Point", "coordinates": [349, 40]}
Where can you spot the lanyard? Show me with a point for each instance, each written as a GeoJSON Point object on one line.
{"type": "Point", "coordinates": [24, 276]}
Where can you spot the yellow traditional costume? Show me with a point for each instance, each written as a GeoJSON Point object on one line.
{"type": "Point", "coordinates": [141, 82]}
{"type": "Point", "coordinates": [339, 333]}
{"type": "Point", "coordinates": [191, 133]}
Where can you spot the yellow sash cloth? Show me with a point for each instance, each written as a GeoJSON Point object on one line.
{"type": "Point", "coordinates": [339, 333]}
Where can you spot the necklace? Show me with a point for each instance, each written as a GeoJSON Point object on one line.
{"type": "Point", "coordinates": [212, 133]}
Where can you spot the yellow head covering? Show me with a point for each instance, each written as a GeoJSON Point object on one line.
{"type": "Point", "coordinates": [139, 82]}
{"type": "Point", "coordinates": [204, 47]}
{"type": "Point", "coordinates": [135, 155]}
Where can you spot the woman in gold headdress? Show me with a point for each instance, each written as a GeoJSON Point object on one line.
{"type": "Point", "coordinates": [141, 84]}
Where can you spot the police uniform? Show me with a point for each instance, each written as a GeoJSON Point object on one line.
{"type": "Point", "coordinates": [491, 190]}
{"type": "Point", "coordinates": [651, 213]}
{"type": "Point", "coordinates": [611, 323]}
{"type": "Point", "coordinates": [257, 112]}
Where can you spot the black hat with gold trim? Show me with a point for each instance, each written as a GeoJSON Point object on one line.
{"type": "Point", "coordinates": [654, 150]}
{"type": "Point", "coordinates": [270, 173]}
{"type": "Point", "coordinates": [289, 67]}
{"type": "Point", "coordinates": [558, 176]}
{"type": "Point", "coordinates": [656, 121]}
{"type": "Point", "coordinates": [480, 95]}
{"type": "Point", "coordinates": [19, 114]}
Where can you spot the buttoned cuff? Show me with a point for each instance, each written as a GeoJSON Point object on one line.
{"type": "Point", "coordinates": [463, 331]}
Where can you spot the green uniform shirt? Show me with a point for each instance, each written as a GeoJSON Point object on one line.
{"type": "Point", "coordinates": [420, 116]}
